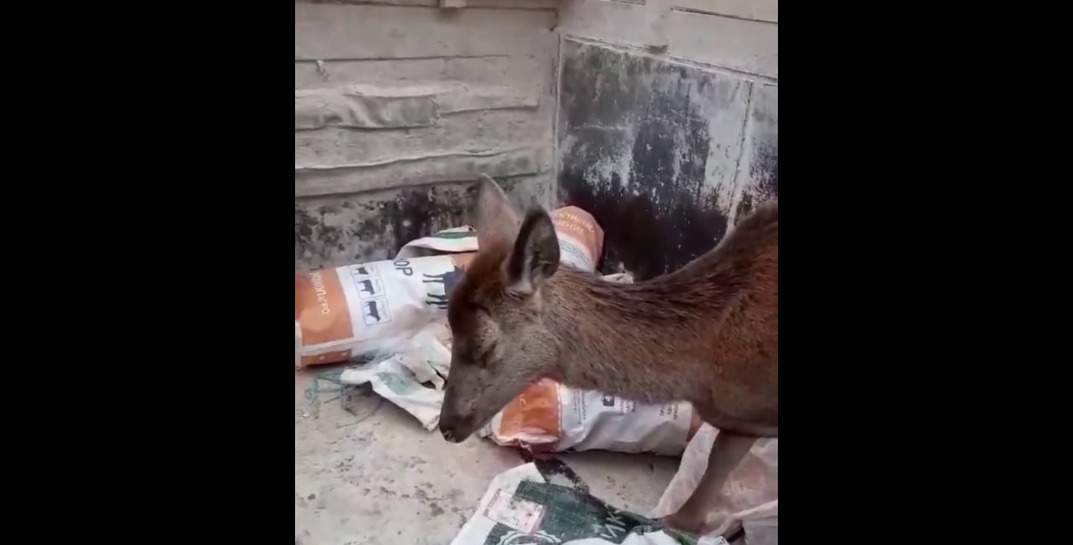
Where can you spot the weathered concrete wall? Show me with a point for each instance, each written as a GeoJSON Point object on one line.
{"type": "Point", "coordinates": [400, 104]}
{"type": "Point", "coordinates": [667, 122]}
{"type": "Point", "coordinates": [666, 115]}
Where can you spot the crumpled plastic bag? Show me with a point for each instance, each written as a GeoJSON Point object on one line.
{"type": "Point", "coordinates": [428, 355]}
{"type": "Point", "coordinates": [523, 506]}
{"type": "Point", "coordinates": [412, 378]}
{"type": "Point", "coordinates": [750, 496]}
{"type": "Point", "coordinates": [551, 417]}
{"type": "Point", "coordinates": [371, 308]}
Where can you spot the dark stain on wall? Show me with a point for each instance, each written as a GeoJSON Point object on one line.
{"type": "Point", "coordinates": [661, 218]}
{"type": "Point", "coordinates": [357, 228]}
{"type": "Point", "coordinates": [763, 167]}
{"type": "Point", "coordinates": [342, 229]}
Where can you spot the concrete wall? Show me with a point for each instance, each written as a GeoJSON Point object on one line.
{"type": "Point", "coordinates": [667, 127]}
{"type": "Point", "coordinates": [659, 116]}
{"type": "Point", "coordinates": [399, 104]}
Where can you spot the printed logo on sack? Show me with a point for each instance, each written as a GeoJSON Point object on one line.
{"type": "Point", "coordinates": [370, 287]}
{"type": "Point", "coordinates": [375, 312]}
{"type": "Point", "coordinates": [446, 281]}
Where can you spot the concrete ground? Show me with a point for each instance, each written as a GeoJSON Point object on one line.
{"type": "Point", "coordinates": [366, 472]}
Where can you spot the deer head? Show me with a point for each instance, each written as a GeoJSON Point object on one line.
{"type": "Point", "coordinates": [501, 344]}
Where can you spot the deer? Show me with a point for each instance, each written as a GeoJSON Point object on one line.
{"type": "Point", "coordinates": [706, 333]}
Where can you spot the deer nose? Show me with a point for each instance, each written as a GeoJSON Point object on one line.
{"type": "Point", "coordinates": [451, 428]}
{"type": "Point", "coordinates": [448, 434]}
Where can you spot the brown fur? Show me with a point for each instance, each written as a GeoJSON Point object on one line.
{"type": "Point", "coordinates": [707, 333]}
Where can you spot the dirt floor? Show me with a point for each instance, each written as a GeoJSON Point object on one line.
{"type": "Point", "coordinates": [366, 472]}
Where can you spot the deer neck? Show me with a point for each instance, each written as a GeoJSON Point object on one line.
{"type": "Point", "coordinates": [642, 341]}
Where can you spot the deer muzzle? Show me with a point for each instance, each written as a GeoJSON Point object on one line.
{"type": "Point", "coordinates": [455, 429]}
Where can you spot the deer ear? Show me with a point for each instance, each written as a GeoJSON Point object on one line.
{"type": "Point", "coordinates": [494, 216]}
{"type": "Point", "coordinates": [536, 253]}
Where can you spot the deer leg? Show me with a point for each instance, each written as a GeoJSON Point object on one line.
{"type": "Point", "coordinates": [727, 451]}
